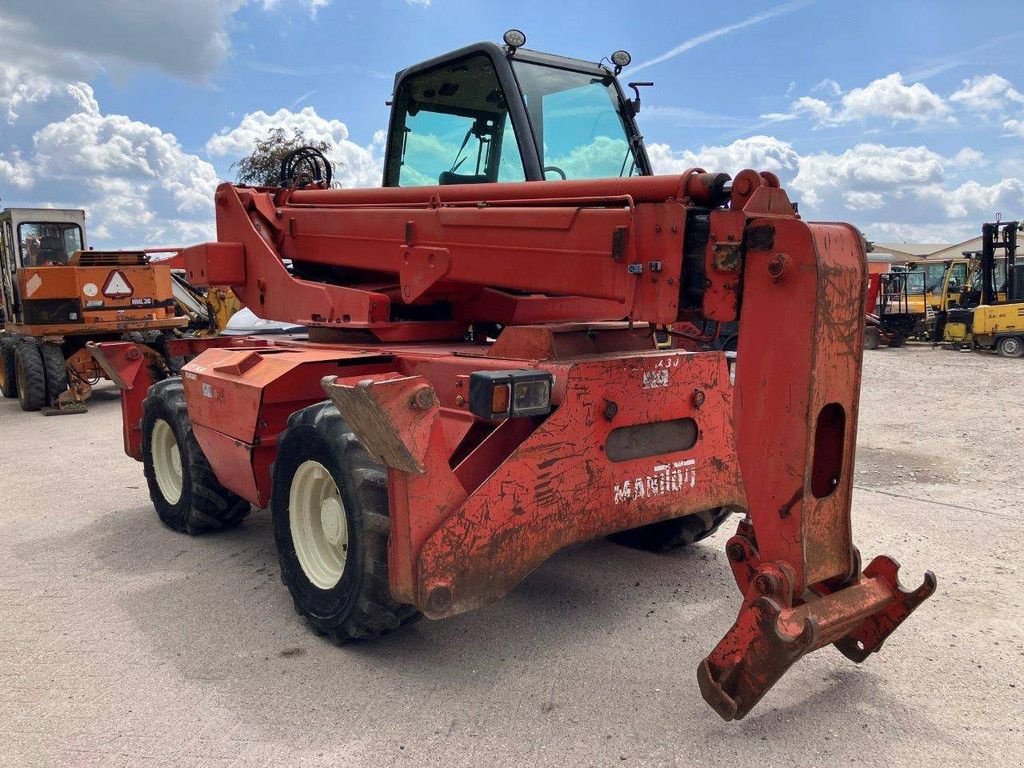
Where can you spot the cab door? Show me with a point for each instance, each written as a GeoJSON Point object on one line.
{"type": "Point", "coordinates": [9, 306]}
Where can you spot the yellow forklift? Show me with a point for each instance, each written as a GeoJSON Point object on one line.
{"type": "Point", "coordinates": [989, 313]}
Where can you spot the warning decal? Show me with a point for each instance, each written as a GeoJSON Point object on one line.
{"type": "Point", "coordinates": [117, 285]}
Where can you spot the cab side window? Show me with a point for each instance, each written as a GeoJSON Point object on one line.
{"type": "Point", "coordinates": [452, 127]}
{"type": "Point", "coordinates": [42, 244]}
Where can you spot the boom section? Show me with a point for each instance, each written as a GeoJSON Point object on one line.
{"type": "Point", "coordinates": [461, 253]}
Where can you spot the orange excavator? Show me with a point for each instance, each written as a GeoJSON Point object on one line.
{"type": "Point", "coordinates": [57, 295]}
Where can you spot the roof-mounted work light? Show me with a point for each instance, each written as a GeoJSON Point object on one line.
{"type": "Point", "coordinates": [514, 38]}
{"type": "Point", "coordinates": [621, 59]}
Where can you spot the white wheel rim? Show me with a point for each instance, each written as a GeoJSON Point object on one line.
{"type": "Point", "coordinates": [318, 523]}
{"type": "Point", "coordinates": [167, 461]}
{"type": "Point", "coordinates": [1011, 346]}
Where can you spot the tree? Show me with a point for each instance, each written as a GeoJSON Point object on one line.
{"type": "Point", "coordinates": [263, 167]}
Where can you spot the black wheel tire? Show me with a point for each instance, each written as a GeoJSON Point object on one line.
{"type": "Point", "coordinates": [56, 369]}
{"type": "Point", "coordinates": [1010, 346]}
{"type": "Point", "coordinates": [204, 504]}
{"type": "Point", "coordinates": [8, 376]}
{"type": "Point", "coordinates": [872, 338]}
{"type": "Point", "coordinates": [30, 374]}
{"type": "Point", "coordinates": [897, 340]}
{"type": "Point", "coordinates": [174, 363]}
{"type": "Point", "coordinates": [675, 533]}
{"type": "Point", "coordinates": [359, 606]}
{"type": "Point", "coordinates": [731, 343]}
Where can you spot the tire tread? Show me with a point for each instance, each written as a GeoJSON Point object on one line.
{"type": "Point", "coordinates": [210, 505]}
{"type": "Point", "coordinates": [374, 612]}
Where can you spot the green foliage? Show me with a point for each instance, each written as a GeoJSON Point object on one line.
{"type": "Point", "coordinates": [263, 167]}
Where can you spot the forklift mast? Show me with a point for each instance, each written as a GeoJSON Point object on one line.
{"type": "Point", "coordinates": [999, 237]}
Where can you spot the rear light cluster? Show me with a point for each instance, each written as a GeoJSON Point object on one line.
{"type": "Point", "coordinates": [498, 395]}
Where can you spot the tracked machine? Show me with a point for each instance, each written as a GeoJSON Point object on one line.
{"type": "Point", "coordinates": [480, 385]}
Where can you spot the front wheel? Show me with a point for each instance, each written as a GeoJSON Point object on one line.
{"type": "Point", "coordinates": [56, 369]}
{"type": "Point", "coordinates": [672, 534]}
{"type": "Point", "coordinates": [330, 513]}
{"type": "Point", "coordinates": [30, 374]}
{"type": "Point", "coordinates": [8, 377]}
{"type": "Point", "coordinates": [1010, 346]}
{"type": "Point", "coordinates": [186, 493]}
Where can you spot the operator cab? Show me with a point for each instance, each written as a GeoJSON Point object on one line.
{"type": "Point", "coordinates": [487, 113]}
{"type": "Point", "coordinates": [34, 237]}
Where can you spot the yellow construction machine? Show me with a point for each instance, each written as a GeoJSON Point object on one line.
{"type": "Point", "coordinates": [989, 311]}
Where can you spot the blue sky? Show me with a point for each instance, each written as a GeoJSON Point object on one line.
{"type": "Point", "coordinates": [906, 118]}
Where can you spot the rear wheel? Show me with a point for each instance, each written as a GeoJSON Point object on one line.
{"type": "Point", "coordinates": [56, 370]}
{"type": "Point", "coordinates": [30, 375]}
{"type": "Point", "coordinates": [8, 377]}
{"type": "Point", "coordinates": [331, 522]}
{"type": "Point", "coordinates": [897, 340]}
{"type": "Point", "coordinates": [675, 533]}
{"type": "Point", "coordinates": [1010, 346]}
{"type": "Point", "coordinates": [185, 491]}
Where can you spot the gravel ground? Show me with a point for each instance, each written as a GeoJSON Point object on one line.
{"type": "Point", "coordinates": [124, 644]}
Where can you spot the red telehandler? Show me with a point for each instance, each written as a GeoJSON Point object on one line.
{"type": "Point", "coordinates": [479, 385]}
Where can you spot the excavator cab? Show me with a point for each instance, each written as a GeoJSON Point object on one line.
{"type": "Point", "coordinates": [487, 113]}
{"type": "Point", "coordinates": [34, 237]}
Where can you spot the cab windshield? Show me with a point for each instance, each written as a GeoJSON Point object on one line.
{"type": "Point", "coordinates": [577, 121]}
{"type": "Point", "coordinates": [48, 243]}
{"type": "Point", "coordinates": [915, 283]}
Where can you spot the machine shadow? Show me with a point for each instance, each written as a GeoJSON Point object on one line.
{"type": "Point", "coordinates": [214, 606]}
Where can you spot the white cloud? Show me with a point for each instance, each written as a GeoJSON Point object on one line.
{"type": "Point", "coordinates": [863, 201]}
{"type": "Point", "coordinates": [885, 99]}
{"type": "Point", "coordinates": [988, 93]}
{"type": "Point", "coordinates": [184, 38]}
{"type": "Point", "coordinates": [32, 97]}
{"type": "Point", "coordinates": [14, 171]}
{"type": "Point", "coordinates": [890, 98]}
{"type": "Point", "coordinates": [968, 157]}
{"type": "Point", "coordinates": [355, 165]}
{"type": "Point", "coordinates": [829, 86]}
{"type": "Point", "coordinates": [420, 3]}
{"type": "Point", "coordinates": [901, 193]}
{"type": "Point", "coordinates": [819, 111]}
{"type": "Point", "coordinates": [936, 231]}
{"type": "Point", "coordinates": [311, 5]}
{"type": "Point", "coordinates": [865, 168]}
{"type": "Point", "coordinates": [765, 153]}
{"type": "Point", "coordinates": [974, 199]}
{"type": "Point", "coordinates": [136, 182]}
{"type": "Point", "coordinates": [1015, 127]}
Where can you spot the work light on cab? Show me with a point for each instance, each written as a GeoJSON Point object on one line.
{"type": "Point", "coordinates": [621, 60]}
{"type": "Point", "coordinates": [514, 38]}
